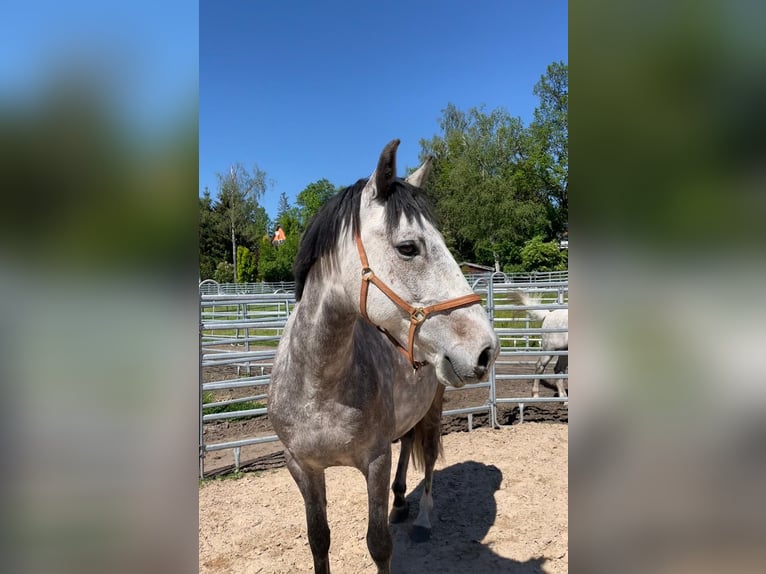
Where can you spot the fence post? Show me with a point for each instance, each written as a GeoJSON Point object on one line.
{"type": "Point", "coordinates": [247, 336]}
{"type": "Point", "coordinates": [492, 390]}
{"type": "Point", "coordinates": [201, 436]}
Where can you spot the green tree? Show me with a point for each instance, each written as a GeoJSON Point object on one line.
{"type": "Point", "coordinates": [224, 272]}
{"type": "Point", "coordinates": [239, 191]}
{"type": "Point", "coordinates": [283, 208]}
{"type": "Point", "coordinates": [277, 260]}
{"type": "Point", "coordinates": [258, 229]}
{"type": "Point", "coordinates": [212, 241]}
{"type": "Point", "coordinates": [538, 255]}
{"type": "Point", "coordinates": [312, 198]}
{"type": "Point", "coordinates": [476, 159]}
{"type": "Point", "coordinates": [287, 217]}
{"type": "Point", "coordinates": [549, 135]}
{"type": "Point", "coordinates": [246, 265]}
{"type": "Point", "coordinates": [496, 184]}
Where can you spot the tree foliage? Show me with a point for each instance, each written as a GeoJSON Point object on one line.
{"type": "Point", "coordinates": [288, 217]}
{"type": "Point", "coordinates": [223, 226]}
{"type": "Point", "coordinates": [513, 177]}
{"type": "Point", "coordinates": [246, 265]}
{"type": "Point", "coordinates": [239, 191]}
{"type": "Point", "coordinates": [312, 198]}
{"type": "Point", "coordinates": [480, 160]}
{"type": "Point", "coordinates": [539, 255]}
{"type": "Point", "coordinates": [550, 140]}
{"type": "Point", "coordinates": [277, 260]}
{"type": "Point", "coordinates": [212, 237]}
{"type": "Point", "coordinates": [224, 272]}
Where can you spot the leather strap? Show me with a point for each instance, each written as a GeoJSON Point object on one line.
{"type": "Point", "coordinates": [417, 314]}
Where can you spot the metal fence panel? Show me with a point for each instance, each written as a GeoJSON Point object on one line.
{"type": "Point", "coordinates": [240, 326]}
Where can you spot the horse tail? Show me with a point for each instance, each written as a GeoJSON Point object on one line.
{"type": "Point", "coordinates": [520, 298]}
{"type": "Point", "coordinates": [427, 442]}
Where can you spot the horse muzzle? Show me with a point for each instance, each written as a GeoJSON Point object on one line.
{"type": "Point", "coordinates": [459, 367]}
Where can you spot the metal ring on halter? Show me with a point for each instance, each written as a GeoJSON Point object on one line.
{"type": "Point", "coordinates": [418, 315]}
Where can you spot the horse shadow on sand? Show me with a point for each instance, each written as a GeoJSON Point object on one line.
{"type": "Point", "coordinates": [464, 510]}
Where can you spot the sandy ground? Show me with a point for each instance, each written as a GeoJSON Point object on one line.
{"type": "Point", "coordinates": [500, 505]}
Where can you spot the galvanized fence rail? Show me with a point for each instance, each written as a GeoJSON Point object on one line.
{"type": "Point", "coordinates": [520, 345]}
{"type": "Point", "coordinates": [212, 287]}
{"type": "Point", "coordinates": [239, 332]}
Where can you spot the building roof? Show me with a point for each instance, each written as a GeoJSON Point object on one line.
{"type": "Point", "coordinates": [476, 266]}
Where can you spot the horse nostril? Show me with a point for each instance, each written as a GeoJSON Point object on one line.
{"type": "Point", "coordinates": [484, 357]}
{"type": "Point", "coordinates": [483, 362]}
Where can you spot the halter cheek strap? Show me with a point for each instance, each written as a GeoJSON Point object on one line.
{"type": "Point", "coordinates": [417, 314]}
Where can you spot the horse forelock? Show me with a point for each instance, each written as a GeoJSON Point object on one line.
{"type": "Point", "coordinates": [407, 200]}
{"type": "Point", "coordinates": [340, 216]}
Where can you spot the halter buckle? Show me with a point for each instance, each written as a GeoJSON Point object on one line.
{"type": "Point", "coordinates": [418, 315]}
{"type": "Point", "coordinates": [367, 273]}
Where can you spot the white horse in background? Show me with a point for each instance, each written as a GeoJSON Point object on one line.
{"type": "Point", "coordinates": [551, 319]}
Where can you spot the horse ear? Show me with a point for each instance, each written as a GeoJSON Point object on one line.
{"type": "Point", "coordinates": [420, 175]}
{"type": "Point", "coordinates": [385, 174]}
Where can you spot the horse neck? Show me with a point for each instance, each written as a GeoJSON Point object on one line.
{"type": "Point", "coordinates": [325, 320]}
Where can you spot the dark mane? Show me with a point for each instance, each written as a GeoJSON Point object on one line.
{"type": "Point", "coordinates": [323, 232]}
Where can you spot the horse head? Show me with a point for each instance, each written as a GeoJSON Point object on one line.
{"type": "Point", "coordinates": [411, 286]}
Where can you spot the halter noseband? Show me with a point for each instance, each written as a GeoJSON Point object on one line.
{"type": "Point", "coordinates": [417, 314]}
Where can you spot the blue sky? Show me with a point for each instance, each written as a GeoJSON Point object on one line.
{"type": "Point", "coordinates": [309, 90]}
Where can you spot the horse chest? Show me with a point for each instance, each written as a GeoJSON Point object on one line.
{"type": "Point", "coordinates": [334, 434]}
{"type": "Point", "coordinates": [413, 395]}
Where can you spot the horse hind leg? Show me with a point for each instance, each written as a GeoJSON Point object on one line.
{"type": "Point", "coordinates": [542, 362]}
{"type": "Point", "coordinates": [401, 508]}
{"type": "Point", "coordinates": [421, 528]}
{"type": "Point", "coordinates": [562, 366]}
{"type": "Point", "coordinates": [427, 447]}
{"type": "Point", "coordinates": [311, 483]}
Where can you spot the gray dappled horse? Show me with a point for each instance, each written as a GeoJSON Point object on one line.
{"type": "Point", "coordinates": [384, 321]}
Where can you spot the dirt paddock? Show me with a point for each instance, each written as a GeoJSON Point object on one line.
{"type": "Point", "coordinates": [500, 505]}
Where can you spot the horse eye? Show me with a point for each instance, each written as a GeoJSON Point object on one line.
{"type": "Point", "coordinates": [407, 249]}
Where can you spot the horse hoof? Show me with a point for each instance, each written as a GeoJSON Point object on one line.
{"type": "Point", "coordinates": [420, 534]}
{"type": "Point", "coordinates": [399, 513]}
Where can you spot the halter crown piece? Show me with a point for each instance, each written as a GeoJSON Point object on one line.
{"type": "Point", "coordinates": [417, 314]}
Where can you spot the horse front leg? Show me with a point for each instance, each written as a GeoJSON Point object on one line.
{"type": "Point", "coordinates": [311, 483]}
{"type": "Point", "coordinates": [401, 509]}
{"type": "Point", "coordinates": [379, 540]}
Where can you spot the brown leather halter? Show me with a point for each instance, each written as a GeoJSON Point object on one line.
{"type": "Point", "coordinates": [417, 314]}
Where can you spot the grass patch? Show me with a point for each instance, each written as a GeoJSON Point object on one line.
{"type": "Point", "coordinates": [209, 397]}
{"type": "Point", "coordinates": [236, 475]}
